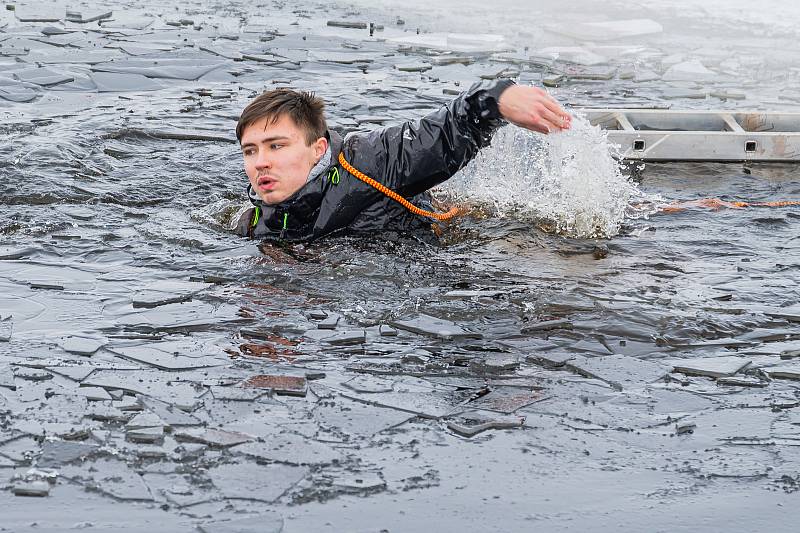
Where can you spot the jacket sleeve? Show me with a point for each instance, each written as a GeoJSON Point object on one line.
{"type": "Point", "coordinates": [415, 156]}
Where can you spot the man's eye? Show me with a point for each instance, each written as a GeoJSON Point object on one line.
{"type": "Point", "coordinates": [276, 146]}
{"type": "Point", "coordinates": [248, 152]}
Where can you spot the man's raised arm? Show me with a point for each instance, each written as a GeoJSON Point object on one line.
{"type": "Point", "coordinates": [415, 156]}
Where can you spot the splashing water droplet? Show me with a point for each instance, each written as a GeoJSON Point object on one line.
{"type": "Point", "coordinates": [570, 183]}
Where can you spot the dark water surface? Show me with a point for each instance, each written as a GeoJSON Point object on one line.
{"type": "Point", "coordinates": [139, 323]}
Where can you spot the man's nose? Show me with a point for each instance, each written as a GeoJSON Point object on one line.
{"type": "Point", "coordinates": [263, 160]}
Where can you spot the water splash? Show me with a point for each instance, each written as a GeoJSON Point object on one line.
{"type": "Point", "coordinates": [569, 183]}
{"type": "Point", "coordinates": [222, 214]}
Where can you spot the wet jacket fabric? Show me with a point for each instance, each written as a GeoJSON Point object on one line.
{"type": "Point", "coordinates": [409, 158]}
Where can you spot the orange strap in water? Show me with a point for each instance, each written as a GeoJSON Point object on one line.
{"type": "Point", "coordinates": [394, 196]}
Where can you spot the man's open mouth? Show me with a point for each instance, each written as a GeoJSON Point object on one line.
{"type": "Point", "coordinates": [267, 182]}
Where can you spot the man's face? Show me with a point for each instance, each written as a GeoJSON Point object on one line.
{"type": "Point", "coordinates": [277, 159]}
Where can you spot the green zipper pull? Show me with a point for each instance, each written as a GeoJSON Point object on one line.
{"type": "Point", "coordinates": [256, 217]}
{"type": "Point", "coordinates": [285, 221]}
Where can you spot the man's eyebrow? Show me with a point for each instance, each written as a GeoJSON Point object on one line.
{"type": "Point", "coordinates": [267, 140]}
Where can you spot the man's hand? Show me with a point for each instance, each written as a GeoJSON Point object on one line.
{"type": "Point", "coordinates": [534, 109]}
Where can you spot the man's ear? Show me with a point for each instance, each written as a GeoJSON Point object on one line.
{"type": "Point", "coordinates": [320, 146]}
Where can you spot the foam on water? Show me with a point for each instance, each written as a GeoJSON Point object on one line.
{"type": "Point", "coordinates": [570, 183]}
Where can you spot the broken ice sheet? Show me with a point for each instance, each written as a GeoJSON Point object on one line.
{"type": "Point", "coordinates": [81, 345]}
{"type": "Point", "coordinates": [167, 292]}
{"type": "Point", "coordinates": [187, 316]}
{"type": "Point", "coordinates": [168, 413]}
{"type": "Point", "coordinates": [619, 371]}
{"type": "Point", "coordinates": [251, 481]}
{"type": "Point", "coordinates": [58, 453]}
{"type": "Point", "coordinates": [359, 483]}
{"type": "Point", "coordinates": [455, 42]}
{"type": "Point", "coordinates": [292, 449]}
{"type": "Point", "coordinates": [72, 55]}
{"type": "Point", "coordinates": [93, 393]}
{"type": "Point", "coordinates": [145, 420]}
{"type": "Point", "coordinates": [432, 404]}
{"type": "Point", "coordinates": [28, 14]}
{"type": "Point", "coordinates": [570, 54]}
{"type": "Point", "coordinates": [153, 356]}
{"type": "Point", "coordinates": [32, 374]}
{"type": "Point", "coordinates": [150, 383]}
{"type": "Point", "coordinates": [264, 522]}
{"type": "Point", "coordinates": [127, 21]}
{"type": "Point", "coordinates": [710, 366]}
{"type": "Point", "coordinates": [111, 477]}
{"type": "Point", "coordinates": [507, 399]}
{"type": "Point", "coordinates": [31, 488]}
{"type": "Point", "coordinates": [742, 381]}
{"type": "Point", "coordinates": [113, 82]}
{"type": "Point", "coordinates": [783, 371]}
{"type": "Point", "coordinates": [471, 423]}
{"type": "Point", "coordinates": [237, 394]}
{"type": "Point", "coordinates": [387, 331]}
{"type": "Point", "coordinates": [216, 438]}
{"type": "Point", "coordinates": [692, 70]}
{"type": "Point", "coordinates": [73, 372]}
{"type": "Point", "coordinates": [550, 360]}
{"type": "Point", "coordinates": [84, 17]}
{"type": "Point", "coordinates": [494, 364]}
{"type": "Point", "coordinates": [43, 76]}
{"type": "Point", "coordinates": [368, 384]}
{"type": "Point", "coordinates": [6, 328]}
{"type": "Point", "coordinates": [20, 449]}
{"type": "Point", "coordinates": [329, 321]}
{"type": "Point", "coordinates": [169, 68]}
{"type": "Point", "coordinates": [435, 327]}
{"type": "Point", "coordinates": [147, 435]}
{"type": "Point", "coordinates": [356, 418]}
{"type": "Point", "coordinates": [590, 73]}
{"type": "Point", "coordinates": [346, 338]}
{"type": "Point", "coordinates": [18, 94]}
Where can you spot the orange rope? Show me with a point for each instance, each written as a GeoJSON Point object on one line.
{"type": "Point", "coordinates": [784, 203]}
{"type": "Point", "coordinates": [394, 196]}
{"type": "Point", "coordinates": [716, 203]}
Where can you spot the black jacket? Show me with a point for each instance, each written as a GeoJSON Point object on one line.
{"type": "Point", "coordinates": [409, 158]}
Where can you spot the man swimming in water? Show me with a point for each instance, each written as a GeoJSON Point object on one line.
{"type": "Point", "coordinates": [300, 185]}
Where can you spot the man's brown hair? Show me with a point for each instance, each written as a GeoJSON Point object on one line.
{"type": "Point", "coordinates": [304, 108]}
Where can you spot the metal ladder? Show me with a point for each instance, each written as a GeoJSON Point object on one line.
{"type": "Point", "coordinates": [666, 135]}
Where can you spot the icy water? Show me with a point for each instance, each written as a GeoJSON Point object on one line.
{"type": "Point", "coordinates": [158, 373]}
